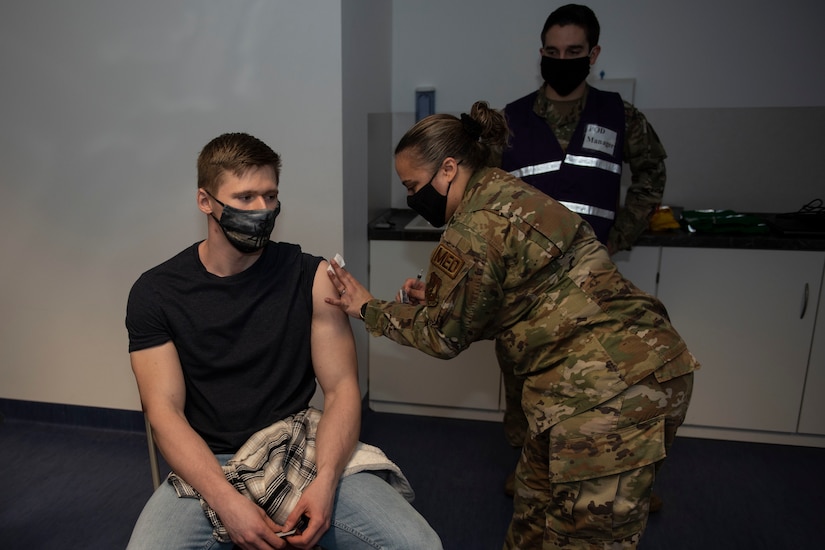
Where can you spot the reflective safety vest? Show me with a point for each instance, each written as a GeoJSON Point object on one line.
{"type": "Point", "coordinates": [586, 179]}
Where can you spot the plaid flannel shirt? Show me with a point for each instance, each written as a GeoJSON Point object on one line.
{"type": "Point", "coordinates": [277, 463]}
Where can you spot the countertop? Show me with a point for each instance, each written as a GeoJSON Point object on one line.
{"type": "Point", "coordinates": [389, 226]}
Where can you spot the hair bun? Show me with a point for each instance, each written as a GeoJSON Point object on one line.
{"type": "Point", "coordinates": [471, 126]}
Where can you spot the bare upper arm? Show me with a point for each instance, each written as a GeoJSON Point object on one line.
{"type": "Point", "coordinates": [159, 377]}
{"type": "Point", "coordinates": [333, 345]}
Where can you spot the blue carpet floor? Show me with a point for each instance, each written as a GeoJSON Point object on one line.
{"type": "Point", "coordinates": [82, 488]}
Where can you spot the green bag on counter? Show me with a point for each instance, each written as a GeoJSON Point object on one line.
{"type": "Point", "coordinates": [723, 221]}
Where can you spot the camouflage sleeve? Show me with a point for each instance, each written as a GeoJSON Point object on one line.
{"type": "Point", "coordinates": [463, 294]}
{"type": "Point", "coordinates": [645, 154]}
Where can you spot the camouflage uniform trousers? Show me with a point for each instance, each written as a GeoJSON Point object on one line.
{"type": "Point", "coordinates": [585, 483]}
{"type": "Point", "coordinates": [515, 423]}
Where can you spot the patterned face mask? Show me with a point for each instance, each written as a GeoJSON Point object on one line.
{"type": "Point", "coordinates": [246, 230]}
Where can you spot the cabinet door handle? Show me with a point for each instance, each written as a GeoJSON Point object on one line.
{"type": "Point", "coordinates": [804, 303]}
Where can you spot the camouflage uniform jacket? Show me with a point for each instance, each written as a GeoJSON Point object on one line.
{"type": "Point", "coordinates": [515, 266]}
{"type": "Point", "coordinates": [643, 151]}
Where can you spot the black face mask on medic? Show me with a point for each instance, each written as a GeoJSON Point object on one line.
{"type": "Point", "coordinates": [430, 204]}
{"type": "Point", "coordinates": [246, 230]}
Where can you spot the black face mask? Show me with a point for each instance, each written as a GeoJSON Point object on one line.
{"type": "Point", "coordinates": [431, 204]}
{"type": "Point", "coordinates": [564, 75]}
{"type": "Point", "coordinates": [246, 230]}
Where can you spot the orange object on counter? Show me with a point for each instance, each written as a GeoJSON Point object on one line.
{"type": "Point", "coordinates": [663, 219]}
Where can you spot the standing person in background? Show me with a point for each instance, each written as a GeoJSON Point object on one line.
{"type": "Point", "coordinates": [607, 379]}
{"type": "Point", "coordinates": [570, 140]}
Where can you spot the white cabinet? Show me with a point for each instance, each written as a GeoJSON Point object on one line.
{"type": "Point", "coordinates": [405, 380]}
{"type": "Point", "coordinates": [741, 314]}
{"type": "Point", "coordinates": [812, 416]}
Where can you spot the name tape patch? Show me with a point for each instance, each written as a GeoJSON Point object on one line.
{"type": "Point", "coordinates": [598, 138]}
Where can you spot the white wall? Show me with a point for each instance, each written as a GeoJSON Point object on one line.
{"type": "Point", "coordinates": [366, 37]}
{"type": "Point", "coordinates": [697, 54]}
{"type": "Point", "coordinates": [105, 106]}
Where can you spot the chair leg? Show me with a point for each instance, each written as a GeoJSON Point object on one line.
{"type": "Point", "coordinates": [153, 454]}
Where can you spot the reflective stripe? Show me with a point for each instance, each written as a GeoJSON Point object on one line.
{"type": "Point", "coordinates": [575, 160]}
{"type": "Point", "coordinates": [593, 163]}
{"type": "Point", "coordinates": [537, 169]}
{"type": "Point", "coordinates": [589, 210]}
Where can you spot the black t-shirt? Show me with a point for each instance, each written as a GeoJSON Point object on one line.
{"type": "Point", "coordinates": [243, 340]}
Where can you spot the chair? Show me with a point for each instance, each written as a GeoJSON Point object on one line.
{"type": "Point", "coordinates": [153, 453]}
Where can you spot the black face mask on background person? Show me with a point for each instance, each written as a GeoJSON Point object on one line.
{"type": "Point", "coordinates": [564, 75]}
{"type": "Point", "coordinates": [430, 204]}
{"type": "Point", "coordinates": [246, 230]}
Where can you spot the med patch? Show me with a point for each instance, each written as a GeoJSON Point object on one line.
{"type": "Point", "coordinates": [447, 261]}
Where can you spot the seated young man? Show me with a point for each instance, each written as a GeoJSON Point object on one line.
{"type": "Point", "coordinates": [227, 338]}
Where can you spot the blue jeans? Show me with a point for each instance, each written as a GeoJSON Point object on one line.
{"type": "Point", "coordinates": [367, 514]}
